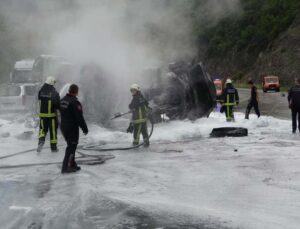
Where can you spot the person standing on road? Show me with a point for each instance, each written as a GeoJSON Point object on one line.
{"type": "Point", "coordinates": [49, 104]}
{"type": "Point", "coordinates": [253, 101]}
{"type": "Point", "coordinates": [230, 100]}
{"type": "Point", "coordinates": [139, 108]}
{"type": "Point", "coordinates": [294, 104]}
{"type": "Point", "coordinates": [71, 119]}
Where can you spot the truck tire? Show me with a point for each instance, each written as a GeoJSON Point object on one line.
{"type": "Point", "coordinates": [229, 132]}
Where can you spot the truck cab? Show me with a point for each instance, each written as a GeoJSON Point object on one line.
{"type": "Point", "coordinates": [50, 65]}
{"type": "Point", "coordinates": [270, 83]}
{"type": "Point", "coordinates": [22, 71]}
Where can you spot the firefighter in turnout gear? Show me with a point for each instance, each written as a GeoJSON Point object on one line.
{"type": "Point", "coordinates": [294, 105]}
{"type": "Point", "coordinates": [49, 104]}
{"type": "Point", "coordinates": [139, 108]}
{"type": "Point", "coordinates": [71, 119]}
{"type": "Point", "coordinates": [253, 101]}
{"type": "Point", "coordinates": [230, 100]}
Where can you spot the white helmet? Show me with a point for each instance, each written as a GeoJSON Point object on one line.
{"type": "Point", "coordinates": [135, 87]}
{"type": "Point", "coordinates": [50, 80]}
{"type": "Point", "coordinates": [228, 81]}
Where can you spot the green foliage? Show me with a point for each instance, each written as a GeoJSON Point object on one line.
{"type": "Point", "coordinates": [259, 24]}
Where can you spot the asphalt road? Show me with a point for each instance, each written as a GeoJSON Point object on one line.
{"type": "Point", "coordinates": [270, 104]}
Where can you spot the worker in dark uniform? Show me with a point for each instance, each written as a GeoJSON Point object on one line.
{"type": "Point", "coordinates": [230, 100]}
{"type": "Point", "coordinates": [294, 104]}
{"type": "Point", "coordinates": [139, 108]}
{"type": "Point", "coordinates": [253, 101]}
{"type": "Point", "coordinates": [49, 104]}
{"type": "Point", "coordinates": [71, 119]}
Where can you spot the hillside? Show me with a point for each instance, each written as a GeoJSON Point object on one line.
{"type": "Point", "coordinates": [282, 57]}
{"type": "Point", "coordinates": [263, 39]}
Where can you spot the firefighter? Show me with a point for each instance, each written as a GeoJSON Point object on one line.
{"type": "Point", "coordinates": [294, 104]}
{"type": "Point", "coordinates": [71, 119]}
{"type": "Point", "coordinates": [253, 101]}
{"type": "Point", "coordinates": [49, 104]}
{"type": "Point", "coordinates": [230, 99]}
{"type": "Point", "coordinates": [139, 108]}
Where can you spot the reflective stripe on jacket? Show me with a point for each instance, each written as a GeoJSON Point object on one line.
{"type": "Point", "coordinates": [49, 101]}
{"type": "Point", "coordinates": [230, 96]}
{"type": "Point", "coordinates": [139, 108]}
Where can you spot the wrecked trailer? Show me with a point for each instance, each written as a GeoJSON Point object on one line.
{"type": "Point", "coordinates": [186, 91]}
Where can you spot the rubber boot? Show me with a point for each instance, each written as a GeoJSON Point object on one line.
{"type": "Point", "coordinates": [54, 149]}
{"type": "Point", "coordinates": [40, 146]}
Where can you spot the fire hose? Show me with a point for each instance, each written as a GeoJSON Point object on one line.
{"type": "Point", "coordinates": [97, 147]}
{"type": "Point", "coordinates": [83, 158]}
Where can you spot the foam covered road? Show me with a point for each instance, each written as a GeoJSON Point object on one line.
{"type": "Point", "coordinates": [184, 180]}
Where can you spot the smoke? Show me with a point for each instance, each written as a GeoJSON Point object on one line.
{"type": "Point", "coordinates": [123, 37]}
{"type": "Point", "coordinates": [212, 11]}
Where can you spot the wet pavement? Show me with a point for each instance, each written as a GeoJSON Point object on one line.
{"type": "Point", "coordinates": [270, 104]}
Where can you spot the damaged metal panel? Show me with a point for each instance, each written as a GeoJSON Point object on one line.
{"type": "Point", "coordinates": [186, 91]}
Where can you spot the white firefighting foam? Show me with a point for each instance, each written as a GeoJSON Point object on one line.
{"type": "Point", "coordinates": [184, 178]}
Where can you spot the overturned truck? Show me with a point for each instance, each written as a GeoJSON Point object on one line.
{"type": "Point", "coordinates": [185, 92]}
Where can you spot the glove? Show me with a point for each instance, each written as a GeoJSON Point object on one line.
{"type": "Point", "coordinates": [130, 128]}
{"type": "Point", "coordinates": [222, 109]}
{"type": "Point", "coordinates": [85, 132]}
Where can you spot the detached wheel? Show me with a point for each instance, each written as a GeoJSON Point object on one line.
{"type": "Point", "coordinates": [229, 132]}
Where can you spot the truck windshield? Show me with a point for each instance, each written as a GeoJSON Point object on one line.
{"type": "Point", "coordinates": [22, 76]}
{"type": "Point", "coordinates": [271, 80]}
{"type": "Point", "coordinates": [6, 91]}
{"type": "Point", "coordinates": [30, 90]}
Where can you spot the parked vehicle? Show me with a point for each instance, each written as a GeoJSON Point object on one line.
{"type": "Point", "coordinates": [50, 65]}
{"type": "Point", "coordinates": [18, 97]}
{"type": "Point", "coordinates": [22, 71]}
{"type": "Point", "coordinates": [270, 82]}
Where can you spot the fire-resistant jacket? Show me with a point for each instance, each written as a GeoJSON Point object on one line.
{"type": "Point", "coordinates": [71, 114]}
{"type": "Point", "coordinates": [139, 108]}
{"type": "Point", "coordinates": [49, 101]}
{"type": "Point", "coordinates": [230, 96]}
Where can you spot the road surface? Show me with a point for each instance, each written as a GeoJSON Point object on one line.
{"type": "Point", "coordinates": [271, 104]}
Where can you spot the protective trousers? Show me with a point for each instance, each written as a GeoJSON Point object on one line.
{"type": "Point", "coordinates": [48, 124]}
{"type": "Point", "coordinates": [71, 136]}
{"type": "Point", "coordinates": [295, 114]}
{"type": "Point", "coordinates": [139, 128]}
{"type": "Point", "coordinates": [249, 107]}
{"type": "Point", "coordinates": [229, 113]}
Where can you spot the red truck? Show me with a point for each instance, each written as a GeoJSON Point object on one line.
{"type": "Point", "coordinates": [219, 87]}
{"type": "Point", "coordinates": [270, 82]}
